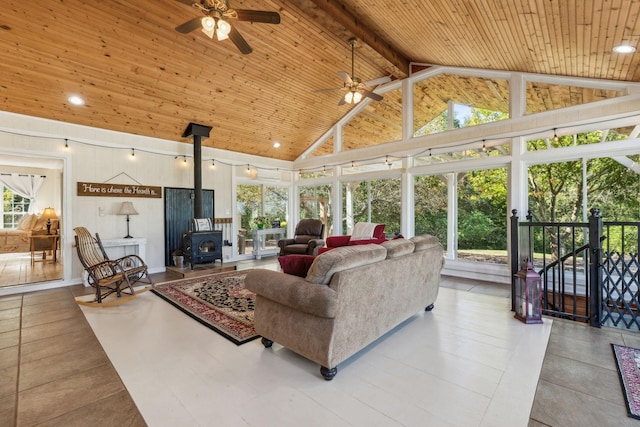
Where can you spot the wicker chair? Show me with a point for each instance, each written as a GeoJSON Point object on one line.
{"type": "Point", "coordinates": [106, 275]}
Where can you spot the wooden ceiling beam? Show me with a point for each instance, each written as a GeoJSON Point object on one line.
{"type": "Point", "coordinates": [340, 14]}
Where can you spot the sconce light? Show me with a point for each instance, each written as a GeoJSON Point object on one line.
{"type": "Point", "coordinates": [127, 209]}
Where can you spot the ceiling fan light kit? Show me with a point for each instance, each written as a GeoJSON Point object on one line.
{"type": "Point", "coordinates": [355, 87]}
{"type": "Point", "coordinates": [219, 27]}
{"type": "Point", "coordinates": [213, 23]}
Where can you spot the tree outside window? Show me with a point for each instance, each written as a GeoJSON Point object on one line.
{"type": "Point", "coordinates": [14, 207]}
{"type": "Point", "coordinates": [430, 207]}
{"type": "Point", "coordinates": [315, 203]}
{"type": "Point", "coordinates": [482, 221]}
{"type": "Point", "coordinates": [377, 201]}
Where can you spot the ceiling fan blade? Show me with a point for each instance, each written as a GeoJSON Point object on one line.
{"type": "Point", "coordinates": [190, 25]}
{"type": "Point", "coordinates": [342, 101]}
{"type": "Point", "coordinates": [371, 95]}
{"type": "Point", "coordinates": [239, 41]}
{"type": "Point", "coordinates": [345, 77]}
{"type": "Point", "coordinates": [378, 81]}
{"type": "Point", "coordinates": [187, 2]}
{"type": "Point", "coordinates": [258, 16]}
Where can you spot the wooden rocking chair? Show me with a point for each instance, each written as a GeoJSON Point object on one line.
{"type": "Point", "coordinates": [106, 275]}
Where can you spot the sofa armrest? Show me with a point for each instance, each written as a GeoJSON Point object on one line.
{"type": "Point", "coordinates": [293, 291]}
{"type": "Point", "coordinates": [337, 241]}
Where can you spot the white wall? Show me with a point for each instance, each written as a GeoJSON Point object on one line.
{"type": "Point", "coordinates": [96, 155]}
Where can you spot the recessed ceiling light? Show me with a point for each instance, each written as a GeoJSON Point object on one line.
{"type": "Point", "coordinates": [276, 144]}
{"type": "Point", "coordinates": [76, 100]}
{"type": "Point", "coordinates": [624, 48]}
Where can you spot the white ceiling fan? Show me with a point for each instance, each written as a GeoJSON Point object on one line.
{"type": "Point", "coordinates": [354, 86]}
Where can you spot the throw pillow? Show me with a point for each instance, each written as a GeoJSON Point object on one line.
{"type": "Point", "coordinates": [202, 224]}
{"type": "Point", "coordinates": [40, 225]}
{"type": "Point", "coordinates": [25, 222]}
{"type": "Point", "coordinates": [296, 265]}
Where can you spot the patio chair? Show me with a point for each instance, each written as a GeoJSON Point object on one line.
{"type": "Point", "coordinates": [106, 275]}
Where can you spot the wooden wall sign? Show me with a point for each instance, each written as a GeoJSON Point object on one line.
{"type": "Point", "coordinates": [118, 190]}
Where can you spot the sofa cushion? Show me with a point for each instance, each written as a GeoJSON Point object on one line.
{"type": "Point", "coordinates": [424, 242]}
{"type": "Point", "coordinates": [298, 265]}
{"type": "Point", "coordinates": [398, 247]}
{"type": "Point", "coordinates": [343, 258]}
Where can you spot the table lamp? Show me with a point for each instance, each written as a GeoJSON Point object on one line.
{"type": "Point", "coordinates": [49, 214]}
{"type": "Point", "coordinates": [127, 209]}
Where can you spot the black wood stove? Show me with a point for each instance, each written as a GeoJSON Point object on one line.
{"type": "Point", "coordinates": [202, 246]}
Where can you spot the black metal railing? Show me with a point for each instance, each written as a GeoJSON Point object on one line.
{"type": "Point", "coordinates": [589, 271]}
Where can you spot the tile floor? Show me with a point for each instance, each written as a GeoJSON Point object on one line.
{"type": "Point", "coordinates": [466, 363]}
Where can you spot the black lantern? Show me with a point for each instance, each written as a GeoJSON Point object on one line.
{"type": "Point", "coordinates": [528, 294]}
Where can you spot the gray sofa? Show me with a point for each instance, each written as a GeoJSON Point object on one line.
{"type": "Point", "coordinates": [351, 296]}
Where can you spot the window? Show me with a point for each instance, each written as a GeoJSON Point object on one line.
{"type": "Point", "coordinates": [259, 206]}
{"type": "Point", "coordinates": [377, 201]}
{"type": "Point", "coordinates": [482, 221]}
{"type": "Point", "coordinates": [315, 202]}
{"type": "Point", "coordinates": [14, 207]}
{"type": "Point", "coordinates": [430, 207]}
{"type": "Point", "coordinates": [449, 101]}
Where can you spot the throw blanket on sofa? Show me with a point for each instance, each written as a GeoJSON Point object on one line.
{"type": "Point", "coordinates": [363, 230]}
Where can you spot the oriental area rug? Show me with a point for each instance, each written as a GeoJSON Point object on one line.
{"type": "Point", "coordinates": [218, 301]}
{"type": "Point", "coordinates": [628, 362]}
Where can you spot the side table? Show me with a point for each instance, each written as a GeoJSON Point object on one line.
{"type": "Point", "coordinates": [260, 247]}
{"type": "Point", "coordinates": [44, 242]}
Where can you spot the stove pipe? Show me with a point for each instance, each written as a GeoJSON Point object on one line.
{"type": "Point", "coordinates": [198, 131]}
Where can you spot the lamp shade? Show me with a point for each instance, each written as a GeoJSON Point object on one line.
{"type": "Point", "coordinates": [49, 213]}
{"type": "Point", "coordinates": [127, 209]}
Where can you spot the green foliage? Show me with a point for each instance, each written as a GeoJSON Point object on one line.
{"type": "Point", "coordinates": [482, 207]}
{"type": "Point", "coordinates": [14, 207]}
{"type": "Point", "coordinates": [480, 116]}
{"type": "Point", "coordinates": [373, 201]}
{"type": "Point", "coordinates": [315, 203]}
{"type": "Point", "coordinates": [556, 192]}
{"type": "Point", "coordinates": [430, 206]}
{"type": "Point", "coordinates": [556, 189]}
{"type": "Point", "coordinates": [254, 209]}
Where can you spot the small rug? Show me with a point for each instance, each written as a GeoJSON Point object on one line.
{"type": "Point", "coordinates": [628, 362]}
{"type": "Point", "coordinates": [218, 301]}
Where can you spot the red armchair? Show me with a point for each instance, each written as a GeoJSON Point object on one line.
{"type": "Point", "coordinates": [378, 237]}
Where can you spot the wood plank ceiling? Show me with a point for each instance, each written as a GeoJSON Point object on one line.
{"type": "Point", "coordinates": [140, 76]}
